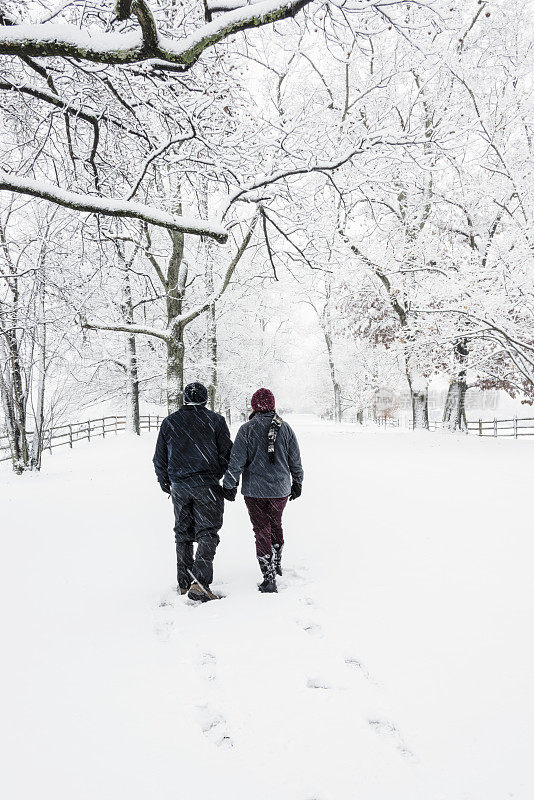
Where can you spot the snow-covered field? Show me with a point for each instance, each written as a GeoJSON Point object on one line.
{"type": "Point", "coordinates": [395, 663]}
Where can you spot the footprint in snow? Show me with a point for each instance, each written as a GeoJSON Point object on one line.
{"type": "Point", "coordinates": [317, 683]}
{"type": "Point", "coordinates": [163, 628]}
{"type": "Point", "coordinates": [356, 664]}
{"type": "Point", "coordinates": [164, 621]}
{"type": "Point", "coordinates": [214, 727]}
{"type": "Point", "coordinates": [312, 628]}
{"type": "Point", "coordinates": [168, 599]}
{"type": "Point", "coordinates": [295, 574]}
{"type": "Point", "coordinates": [208, 664]}
{"type": "Point", "coordinates": [384, 727]}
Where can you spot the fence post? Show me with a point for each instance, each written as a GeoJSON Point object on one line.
{"type": "Point", "coordinates": [157, 421]}
{"type": "Point", "coordinates": [495, 426]}
{"type": "Point", "coordinates": [103, 428]}
{"type": "Point", "coordinates": [70, 435]}
{"type": "Point", "coordinates": [88, 430]}
{"type": "Point", "coordinates": [116, 431]}
{"type": "Point", "coordinates": [480, 427]}
{"type": "Point", "coordinates": [515, 427]}
{"type": "Point", "coordinates": [149, 422]}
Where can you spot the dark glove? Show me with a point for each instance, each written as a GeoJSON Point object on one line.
{"type": "Point", "coordinates": [229, 494]}
{"type": "Point", "coordinates": [296, 491]}
{"type": "Point", "coordinates": [165, 487]}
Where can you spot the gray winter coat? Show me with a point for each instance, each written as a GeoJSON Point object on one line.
{"type": "Point", "coordinates": [249, 456]}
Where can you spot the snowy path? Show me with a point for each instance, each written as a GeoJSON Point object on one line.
{"type": "Point", "coordinates": [395, 663]}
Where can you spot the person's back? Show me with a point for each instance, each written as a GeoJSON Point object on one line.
{"type": "Point", "coordinates": [192, 453]}
{"type": "Point", "coordinates": [266, 454]}
{"type": "Point", "coordinates": [262, 477]}
{"type": "Point", "coordinates": [193, 447]}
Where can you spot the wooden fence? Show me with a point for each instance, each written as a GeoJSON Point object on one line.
{"type": "Point", "coordinates": [393, 422]}
{"type": "Point", "coordinates": [70, 433]}
{"type": "Point", "coordinates": [512, 428]}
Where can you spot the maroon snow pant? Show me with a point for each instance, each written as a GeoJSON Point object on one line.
{"type": "Point", "coordinates": [266, 517]}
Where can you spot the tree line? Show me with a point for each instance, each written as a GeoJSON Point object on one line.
{"type": "Point", "coordinates": [179, 180]}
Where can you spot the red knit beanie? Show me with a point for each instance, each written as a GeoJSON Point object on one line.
{"type": "Point", "coordinates": [262, 400]}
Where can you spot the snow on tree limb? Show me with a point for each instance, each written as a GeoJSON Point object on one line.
{"type": "Point", "coordinates": [195, 312]}
{"type": "Point", "coordinates": [112, 208]}
{"type": "Point", "coordinates": [326, 167]}
{"type": "Point", "coordinates": [68, 41]}
{"type": "Point", "coordinates": [126, 328]}
{"type": "Point", "coordinates": [183, 319]}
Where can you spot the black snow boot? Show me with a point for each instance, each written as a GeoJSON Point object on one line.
{"type": "Point", "coordinates": [268, 584]}
{"type": "Point", "coordinates": [277, 558]}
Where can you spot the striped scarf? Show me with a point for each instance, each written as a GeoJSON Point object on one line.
{"type": "Point", "coordinates": [274, 427]}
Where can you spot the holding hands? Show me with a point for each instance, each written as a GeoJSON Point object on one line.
{"type": "Point", "coordinates": [229, 494]}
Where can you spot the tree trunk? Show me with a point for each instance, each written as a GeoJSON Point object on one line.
{"type": "Point", "coordinates": [337, 403]}
{"type": "Point", "coordinates": [454, 411]}
{"type": "Point", "coordinates": [6, 391]}
{"type": "Point", "coordinates": [211, 322]}
{"type": "Point", "coordinates": [37, 441]}
{"type": "Point", "coordinates": [327, 330]}
{"type": "Point", "coordinates": [133, 424]}
{"type": "Point", "coordinates": [212, 355]}
{"type": "Point", "coordinates": [19, 445]}
{"type": "Point", "coordinates": [419, 395]}
{"type": "Point", "coordinates": [176, 285]}
{"type": "Point", "coordinates": [175, 369]}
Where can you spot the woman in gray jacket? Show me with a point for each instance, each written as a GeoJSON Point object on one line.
{"type": "Point", "coordinates": [266, 452]}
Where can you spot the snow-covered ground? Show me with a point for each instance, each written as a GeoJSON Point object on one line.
{"type": "Point", "coordinates": [395, 663]}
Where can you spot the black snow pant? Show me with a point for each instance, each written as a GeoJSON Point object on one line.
{"type": "Point", "coordinates": [198, 515]}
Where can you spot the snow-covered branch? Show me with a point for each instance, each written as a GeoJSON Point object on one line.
{"type": "Point", "coordinates": [112, 208]}
{"type": "Point", "coordinates": [325, 167]}
{"type": "Point", "coordinates": [68, 41]}
{"type": "Point", "coordinates": [125, 328]}
{"type": "Point", "coordinates": [195, 312]}
{"type": "Point", "coordinates": [155, 154]}
{"type": "Point", "coordinates": [517, 343]}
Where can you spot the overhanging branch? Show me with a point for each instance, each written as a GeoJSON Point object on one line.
{"type": "Point", "coordinates": [125, 328]}
{"type": "Point", "coordinates": [101, 47]}
{"type": "Point", "coordinates": [112, 208]}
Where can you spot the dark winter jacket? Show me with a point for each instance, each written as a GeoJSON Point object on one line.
{"type": "Point", "coordinates": [193, 447]}
{"type": "Point", "coordinates": [250, 457]}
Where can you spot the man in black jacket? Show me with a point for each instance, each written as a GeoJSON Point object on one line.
{"type": "Point", "coordinates": [192, 454]}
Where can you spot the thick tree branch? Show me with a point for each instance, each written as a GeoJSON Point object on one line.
{"type": "Point", "coordinates": [124, 328]}
{"type": "Point", "coordinates": [112, 208]}
{"type": "Point", "coordinates": [63, 105]}
{"type": "Point", "coordinates": [68, 41]}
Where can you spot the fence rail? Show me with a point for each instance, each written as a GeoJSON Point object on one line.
{"type": "Point", "coordinates": [69, 433]}
{"type": "Point", "coordinates": [514, 427]}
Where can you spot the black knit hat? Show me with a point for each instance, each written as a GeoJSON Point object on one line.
{"type": "Point", "coordinates": [195, 394]}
